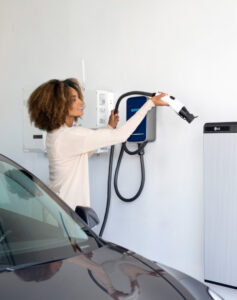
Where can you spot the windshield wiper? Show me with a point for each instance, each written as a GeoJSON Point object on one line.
{"type": "Point", "coordinates": [91, 233]}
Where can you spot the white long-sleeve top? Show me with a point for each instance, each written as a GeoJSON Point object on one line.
{"type": "Point", "coordinates": [68, 150]}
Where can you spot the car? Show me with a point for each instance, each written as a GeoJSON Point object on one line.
{"type": "Point", "coordinates": [49, 251]}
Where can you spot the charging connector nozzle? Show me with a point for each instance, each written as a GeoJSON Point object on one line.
{"type": "Point", "coordinates": [179, 108]}
{"type": "Point", "coordinates": [185, 114]}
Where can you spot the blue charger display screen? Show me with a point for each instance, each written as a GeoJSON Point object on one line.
{"type": "Point", "coordinates": [134, 110]}
{"type": "Point", "coordinates": [133, 105]}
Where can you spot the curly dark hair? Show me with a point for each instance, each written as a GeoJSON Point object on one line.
{"type": "Point", "coordinates": [48, 105]}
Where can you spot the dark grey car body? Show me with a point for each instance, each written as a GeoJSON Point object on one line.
{"type": "Point", "coordinates": [107, 271]}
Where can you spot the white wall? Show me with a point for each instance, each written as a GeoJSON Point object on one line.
{"type": "Point", "coordinates": [186, 47]}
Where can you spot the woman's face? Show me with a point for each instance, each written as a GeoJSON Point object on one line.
{"type": "Point", "coordinates": [76, 108]}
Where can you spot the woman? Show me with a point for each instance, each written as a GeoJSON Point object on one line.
{"type": "Point", "coordinates": [53, 107]}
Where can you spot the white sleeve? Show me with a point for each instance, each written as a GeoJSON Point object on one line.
{"type": "Point", "coordinates": [93, 151]}
{"type": "Point", "coordinates": [78, 140]}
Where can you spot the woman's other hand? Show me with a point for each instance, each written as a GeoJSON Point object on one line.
{"type": "Point", "coordinates": [157, 100]}
{"type": "Point", "coordinates": [113, 119]}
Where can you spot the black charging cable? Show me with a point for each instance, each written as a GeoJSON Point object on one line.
{"type": "Point", "coordinates": [123, 148]}
{"type": "Point", "coordinates": [140, 152]}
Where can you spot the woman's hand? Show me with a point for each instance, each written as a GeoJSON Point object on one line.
{"type": "Point", "coordinates": [113, 119]}
{"type": "Point", "coordinates": [157, 100]}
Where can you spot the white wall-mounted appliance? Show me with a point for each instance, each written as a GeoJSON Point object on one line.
{"type": "Point", "coordinates": [220, 203]}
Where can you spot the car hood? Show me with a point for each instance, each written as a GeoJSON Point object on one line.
{"type": "Point", "coordinates": [110, 272]}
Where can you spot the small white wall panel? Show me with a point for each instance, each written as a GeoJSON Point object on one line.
{"type": "Point", "coordinates": [98, 106]}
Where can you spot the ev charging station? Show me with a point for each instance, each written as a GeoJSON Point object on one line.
{"type": "Point", "coordinates": [146, 131]}
{"type": "Point", "coordinates": [142, 135]}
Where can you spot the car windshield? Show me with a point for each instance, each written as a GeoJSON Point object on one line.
{"type": "Point", "coordinates": [35, 226]}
